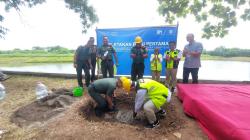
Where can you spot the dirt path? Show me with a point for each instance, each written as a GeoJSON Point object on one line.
{"type": "Point", "coordinates": [71, 125]}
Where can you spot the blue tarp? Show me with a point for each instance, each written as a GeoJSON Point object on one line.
{"type": "Point", "coordinates": [122, 39]}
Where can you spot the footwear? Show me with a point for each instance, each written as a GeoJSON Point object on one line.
{"type": "Point", "coordinates": [153, 125]}
{"type": "Point", "coordinates": [172, 89]}
{"type": "Point", "coordinates": [98, 112]}
{"type": "Point", "coordinates": [161, 114]}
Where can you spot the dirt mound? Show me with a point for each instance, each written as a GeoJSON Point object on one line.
{"type": "Point", "coordinates": [44, 109]}
{"type": "Point", "coordinates": [125, 105]}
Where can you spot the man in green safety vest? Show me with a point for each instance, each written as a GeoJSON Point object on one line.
{"type": "Point", "coordinates": [151, 95]}
{"type": "Point", "coordinates": [172, 57]}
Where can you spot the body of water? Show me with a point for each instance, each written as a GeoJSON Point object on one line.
{"type": "Point", "coordinates": [210, 70]}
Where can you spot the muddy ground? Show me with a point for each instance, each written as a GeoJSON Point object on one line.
{"type": "Point", "coordinates": [71, 123]}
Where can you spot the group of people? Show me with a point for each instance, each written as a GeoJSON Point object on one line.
{"type": "Point", "coordinates": [151, 95]}
{"type": "Point", "coordinates": [86, 57]}
{"type": "Point", "coordinates": [192, 52]}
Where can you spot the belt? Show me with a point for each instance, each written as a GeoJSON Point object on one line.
{"type": "Point", "coordinates": [107, 60]}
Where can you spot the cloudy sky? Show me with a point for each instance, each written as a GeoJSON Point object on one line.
{"type": "Point", "coordinates": [52, 24]}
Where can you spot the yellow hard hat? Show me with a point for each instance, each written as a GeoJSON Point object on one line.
{"type": "Point", "coordinates": [138, 39]}
{"type": "Point", "coordinates": [126, 83]}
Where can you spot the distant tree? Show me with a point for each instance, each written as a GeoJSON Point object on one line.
{"type": "Point", "coordinates": [37, 48]}
{"type": "Point", "coordinates": [58, 49]}
{"type": "Point", "coordinates": [218, 15]}
{"type": "Point", "coordinates": [204, 51]}
{"type": "Point", "coordinates": [17, 50]}
{"type": "Point", "coordinates": [86, 12]}
{"type": "Point", "coordinates": [229, 52]}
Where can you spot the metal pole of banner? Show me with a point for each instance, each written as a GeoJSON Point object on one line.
{"type": "Point", "coordinates": [177, 32]}
{"type": "Point", "coordinates": [97, 58]}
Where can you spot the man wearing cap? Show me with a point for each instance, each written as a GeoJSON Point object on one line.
{"type": "Point", "coordinates": [138, 54]}
{"type": "Point", "coordinates": [151, 95]}
{"type": "Point", "coordinates": [105, 86]}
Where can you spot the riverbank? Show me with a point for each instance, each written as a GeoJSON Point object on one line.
{"type": "Point", "coordinates": [221, 58]}
{"type": "Point", "coordinates": [28, 59]}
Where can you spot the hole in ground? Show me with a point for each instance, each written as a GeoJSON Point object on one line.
{"type": "Point", "coordinates": [125, 104]}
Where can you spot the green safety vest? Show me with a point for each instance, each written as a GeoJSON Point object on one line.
{"type": "Point", "coordinates": [156, 91]}
{"type": "Point", "coordinates": [170, 64]}
{"type": "Point", "coordinates": [156, 64]}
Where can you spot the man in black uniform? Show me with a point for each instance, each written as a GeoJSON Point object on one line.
{"type": "Point", "coordinates": [107, 64]}
{"type": "Point", "coordinates": [93, 57]}
{"type": "Point", "coordinates": [82, 61]}
{"type": "Point", "coordinates": [138, 54]}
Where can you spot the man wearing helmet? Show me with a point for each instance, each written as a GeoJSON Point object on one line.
{"type": "Point", "coordinates": [138, 54]}
{"type": "Point", "coordinates": [151, 95]}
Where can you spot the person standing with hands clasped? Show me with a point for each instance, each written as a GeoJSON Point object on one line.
{"type": "Point", "coordinates": [155, 64]}
{"type": "Point", "coordinates": [138, 54]}
{"type": "Point", "coordinates": [192, 53]}
{"type": "Point", "coordinates": [173, 57]}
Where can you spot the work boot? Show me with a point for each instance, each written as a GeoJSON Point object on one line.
{"type": "Point", "coordinates": [98, 112]}
{"type": "Point", "coordinates": [172, 89]}
{"type": "Point", "coordinates": [153, 125]}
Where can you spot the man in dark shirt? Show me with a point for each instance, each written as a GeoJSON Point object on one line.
{"type": "Point", "coordinates": [106, 52]}
{"type": "Point", "coordinates": [138, 54]}
{"type": "Point", "coordinates": [82, 61]}
{"type": "Point", "coordinates": [93, 57]}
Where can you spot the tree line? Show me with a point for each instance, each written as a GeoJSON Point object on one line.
{"type": "Point", "coordinates": [228, 52]}
{"type": "Point", "coordinates": [40, 50]}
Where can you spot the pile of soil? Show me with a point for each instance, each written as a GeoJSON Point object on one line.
{"type": "Point", "coordinates": [125, 104]}
{"type": "Point", "coordinates": [44, 109]}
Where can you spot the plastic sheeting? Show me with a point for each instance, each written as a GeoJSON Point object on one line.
{"type": "Point", "coordinates": [222, 110]}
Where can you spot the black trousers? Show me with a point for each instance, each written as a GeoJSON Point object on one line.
{"type": "Point", "coordinates": [194, 73]}
{"type": "Point", "coordinates": [107, 66]}
{"type": "Point", "coordinates": [137, 70]}
{"type": "Point", "coordinates": [93, 62]}
{"type": "Point", "coordinates": [102, 104]}
{"type": "Point", "coordinates": [83, 65]}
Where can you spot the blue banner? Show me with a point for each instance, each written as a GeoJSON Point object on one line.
{"type": "Point", "coordinates": [122, 39]}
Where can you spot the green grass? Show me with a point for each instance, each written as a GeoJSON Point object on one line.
{"type": "Point", "coordinates": [26, 59]}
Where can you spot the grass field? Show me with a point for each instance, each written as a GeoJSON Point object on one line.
{"type": "Point", "coordinates": [27, 59]}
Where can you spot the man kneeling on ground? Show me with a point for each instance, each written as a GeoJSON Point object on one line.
{"type": "Point", "coordinates": [151, 95]}
{"type": "Point", "coordinates": [106, 87]}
